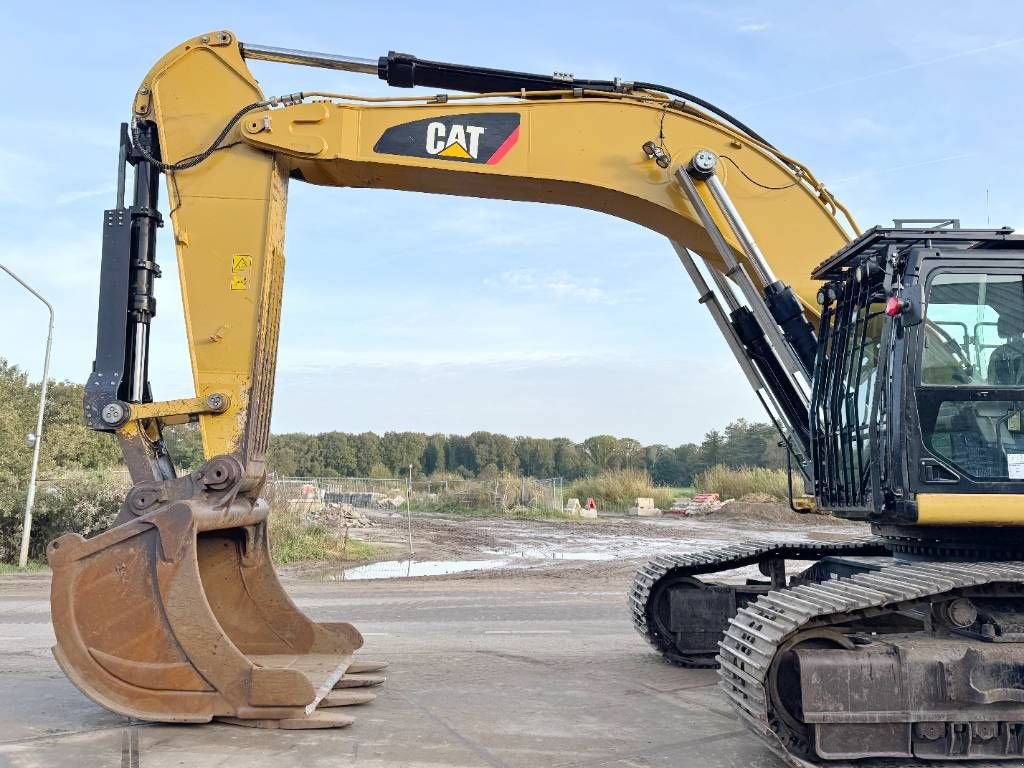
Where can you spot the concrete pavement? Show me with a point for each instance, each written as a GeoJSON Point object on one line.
{"type": "Point", "coordinates": [509, 672]}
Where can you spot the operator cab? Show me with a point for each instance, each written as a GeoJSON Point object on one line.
{"type": "Point", "coordinates": [919, 379]}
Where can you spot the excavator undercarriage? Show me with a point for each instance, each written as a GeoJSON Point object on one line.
{"type": "Point", "coordinates": [858, 656]}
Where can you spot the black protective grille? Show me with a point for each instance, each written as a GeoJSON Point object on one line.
{"type": "Point", "coordinates": [844, 396]}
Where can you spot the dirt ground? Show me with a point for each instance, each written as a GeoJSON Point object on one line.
{"type": "Point", "coordinates": [609, 546]}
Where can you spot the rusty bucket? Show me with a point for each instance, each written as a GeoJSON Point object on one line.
{"type": "Point", "coordinates": [175, 614]}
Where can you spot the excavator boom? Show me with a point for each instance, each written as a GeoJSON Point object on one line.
{"type": "Point", "coordinates": [580, 148]}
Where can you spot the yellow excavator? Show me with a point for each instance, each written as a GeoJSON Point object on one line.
{"type": "Point", "coordinates": [892, 363]}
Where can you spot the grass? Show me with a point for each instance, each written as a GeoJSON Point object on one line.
{"type": "Point", "coordinates": [32, 566]}
{"type": "Point", "coordinates": [678, 491]}
{"type": "Point", "coordinates": [535, 513]}
{"type": "Point", "coordinates": [747, 481]}
{"type": "Point", "coordinates": [455, 508]}
{"type": "Point", "coordinates": [359, 550]}
{"type": "Point", "coordinates": [294, 540]}
{"type": "Point", "coordinates": [617, 490]}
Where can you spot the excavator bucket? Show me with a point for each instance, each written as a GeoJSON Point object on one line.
{"type": "Point", "coordinates": [176, 615]}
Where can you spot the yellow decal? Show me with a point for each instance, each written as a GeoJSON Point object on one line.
{"type": "Point", "coordinates": [240, 272]}
{"type": "Point", "coordinates": [455, 150]}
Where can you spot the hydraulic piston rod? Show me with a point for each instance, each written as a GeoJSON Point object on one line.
{"type": "Point", "coordinates": [403, 70]}
{"type": "Point", "coordinates": [779, 298]}
{"type": "Point", "coordinates": [739, 276]}
{"type": "Point", "coordinates": [310, 58]}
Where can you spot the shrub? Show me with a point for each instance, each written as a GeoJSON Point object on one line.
{"type": "Point", "coordinates": [746, 481]}
{"type": "Point", "coordinates": [618, 490]}
{"type": "Point", "coordinates": [294, 538]}
{"type": "Point", "coordinates": [79, 501]}
{"type": "Point", "coordinates": [507, 495]}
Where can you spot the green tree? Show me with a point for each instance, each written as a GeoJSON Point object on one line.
{"type": "Point", "coordinates": [488, 472]}
{"type": "Point", "coordinates": [712, 450]}
{"type": "Point", "coordinates": [310, 457]}
{"type": "Point", "coordinates": [185, 444]}
{"type": "Point", "coordinates": [369, 452]}
{"type": "Point", "coordinates": [16, 411]}
{"type": "Point", "coordinates": [536, 456]}
{"type": "Point", "coordinates": [284, 453]}
{"type": "Point", "coordinates": [601, 449]}
{"type": "Point", "coordinates": [629, 454]}
{"type": "Point", "coordinates": [688, 457]}
{"type": "Point", "coordinates": [744, 445]}
{"type": "Point", "coordinates": [379, 470]}
{"type": "Point", "coordinates": [503, 453]}
{"type": "Point", "coordinates": [402, 449]}
{"type": "Point", "coordinates": [462, 456]}
{"type": "Point", "coordinates": [571, 462]}
{"type": "Point", "coordinates": [339, 455]}
{"type": "Point", "coordinates": [67, 442]}
{"type": "Point", "coordinates": [67, 446]}
{"type": "Point", "coordinates": [434, 455]}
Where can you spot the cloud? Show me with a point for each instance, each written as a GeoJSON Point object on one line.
{"type": "Point", "coordinates": [753, 27]}
{"type": "Point", "coordinates": [67, 256]}
{"type": "Point", "coordinates": [77, 195]}
{"type": "Point", "coordinates": [558, 284]}
{"type": "Point", "coordinates": [890, 73]}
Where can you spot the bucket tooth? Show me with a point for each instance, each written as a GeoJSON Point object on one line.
{"type": "Point", "coordinates": [347, 698]}
{"type": "Point", "coordinates": [177, 615]}
{"type": "Point", "coordinates": [318, 719]}
{"type": "Point", "coordinates": [360, 665]}
{"type": "Point", "coordinates": [362, 680]}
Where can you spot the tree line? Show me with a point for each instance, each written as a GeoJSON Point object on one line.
{"type": "Point", "coordinates": [487, 454]}
{"type": "Point", "coordinates": [68, 444]}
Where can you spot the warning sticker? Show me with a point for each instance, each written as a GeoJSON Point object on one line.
{"type": "Point", "coordinates": [240, 272]}
{"type": "Point", "coordinates": [1015, 466]}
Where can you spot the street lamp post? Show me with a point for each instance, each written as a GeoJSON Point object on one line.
{"type": "Point", "coordinates": [27, 528]}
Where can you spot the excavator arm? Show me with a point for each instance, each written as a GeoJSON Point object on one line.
{"type": "Point", "coordinates": [204, 628]}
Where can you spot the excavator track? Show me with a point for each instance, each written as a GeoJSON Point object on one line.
{"type": "Point", "coordinates": [760, 630]}
{"type": "Point", "coordinates": [727, 558]}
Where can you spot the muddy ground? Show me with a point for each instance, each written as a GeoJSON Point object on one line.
{"type": "Point", "coordinates": [609, 546]}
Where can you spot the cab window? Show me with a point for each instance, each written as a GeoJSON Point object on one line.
{"type": "Point", "coordinates": [971, 401]}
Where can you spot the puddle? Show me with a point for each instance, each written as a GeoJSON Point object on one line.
{"type": "Point", "coordinates": [521, 546]}
{"type": "Point", "coordinates": [541, 553]}
{"type": "Point", "coordinates": [400, 569]}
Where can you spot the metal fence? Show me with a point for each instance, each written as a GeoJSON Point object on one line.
{"type": "Point", "coordinates": [422, 495]}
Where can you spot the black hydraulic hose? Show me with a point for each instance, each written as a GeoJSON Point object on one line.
{"type": "Point", "coordinates": [405, 71]}
{"type": "Point", "coordinates": [194, 160]}
{"type": "Point", "coordinates": [708, 106]}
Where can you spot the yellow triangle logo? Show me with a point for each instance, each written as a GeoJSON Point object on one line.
{"type": "Point", "coordinates": [455, 150]}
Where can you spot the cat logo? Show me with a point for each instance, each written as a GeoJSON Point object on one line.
{"type": "Point", "coordinates": [474, 138]}
{"type": "Point", "coordinates": [463, 140]}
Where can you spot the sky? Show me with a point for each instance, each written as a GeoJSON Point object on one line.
{"type": "Point", "coordinates": [405, 311]}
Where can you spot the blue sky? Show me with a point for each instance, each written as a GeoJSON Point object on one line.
{"type": "Point", "coordinates": [407, 311]}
